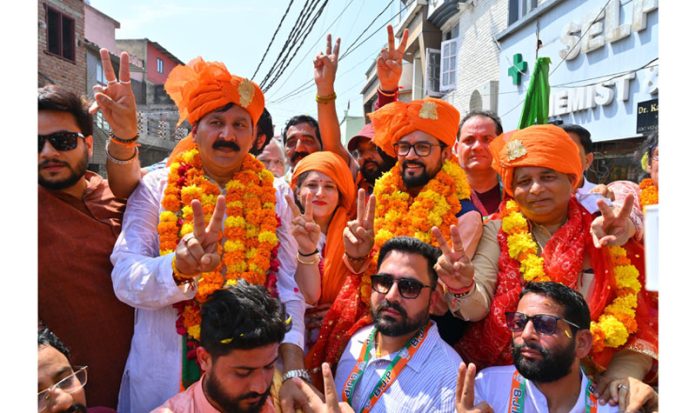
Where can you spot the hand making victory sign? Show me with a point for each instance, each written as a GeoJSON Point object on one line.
{"type": "Point", "coordinates": [389, 61]}
{"type": "Point", "coordinates": [359, 235]}
{"type": "Point", "coordinates": [454, 267]}
{"type": "Point", "coordinates": [325, 67]}
{"type": "Point", "coordinates": [464, 394]}
{"type": "Point", "coordinates": [613, 228]}
{"type": "Point", "coordinates": [304, 229]}
{"type": "Point", "coordinates": [116, 100]}
{"type": "Point", "coordinates": [197, 251]}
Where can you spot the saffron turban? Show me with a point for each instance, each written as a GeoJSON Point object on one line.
{"type": "Point", "coordinates": [201, 87]}
{"type": "Point", "coordinates": [432, 116]}
{"type": "Point", "coordinates": [335, 168]}
{"type": "Point", "coordinates": [546, 146]}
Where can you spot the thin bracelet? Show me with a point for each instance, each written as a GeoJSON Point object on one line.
{"type": "Point", "coordinates": [387, 94]}
{"type": "Point", "coordinates": [356, 258]}
{"type": "Point", "coordinates": [316, 251]}
{"type": "Point", "coordinates": [326, 99]}
{"type": "Point", "coordinates": [120, 161]}
{"type": "Point", "coordinates": [121, 140]}
{"type": "Point", "coordinates": [303, 260]}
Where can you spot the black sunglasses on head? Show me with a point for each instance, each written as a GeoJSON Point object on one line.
{"type": "Point", "coordinates": [543, 323]}
{"type": "Point", "coordinates": [61, 141]}
{"type": "Point", "coordinates": [408, 287]}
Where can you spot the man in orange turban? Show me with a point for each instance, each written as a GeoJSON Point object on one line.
{"type": "Point", "coordinates": [544, 234]}
{"type": "Point", "coordinates": [209, 219]}
{"type": "Point", "coordinates": [426, 188]}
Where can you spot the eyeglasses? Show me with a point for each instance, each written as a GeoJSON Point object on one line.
{"type": "Point", "coordinates": [421, 148]}
{"type": "Point", "coordinates": [62, 141]}
{"type": "Point", "coordinates": [70, 384]}
{"type": "Point", "coordinates": [543, 323]}
{"type": "Point", "coordinates": [408, 288]}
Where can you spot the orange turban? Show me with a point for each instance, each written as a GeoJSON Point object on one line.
{"type": "Point", "coordinates": [546, 146]}
{"type": "Point", "coordinates": [200, 87]}
{"type": "Point", "coordinates": [335, 168]}
{"type": "Point", "coordinates": [432, 116]}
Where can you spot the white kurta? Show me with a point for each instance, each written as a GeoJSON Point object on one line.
{"type": "Point", "coordinates": [143, 279]}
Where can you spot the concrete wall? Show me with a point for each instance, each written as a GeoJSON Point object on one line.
{"type": "Point", "coordinates": [56, 69]}
{"type": "Point", "coordinates": [100, 29]}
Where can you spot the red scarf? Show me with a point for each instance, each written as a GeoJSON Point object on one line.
{"type": "Point", "coordinates": [488, 342]}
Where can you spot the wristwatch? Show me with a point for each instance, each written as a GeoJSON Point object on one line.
{"type": "Point", "coordinates": [301, 373]}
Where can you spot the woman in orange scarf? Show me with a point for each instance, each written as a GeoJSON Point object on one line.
{"type": "Point", "coordinates": [325, 191]}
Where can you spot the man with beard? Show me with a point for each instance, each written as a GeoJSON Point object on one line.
{"type": "Point", "coordinates": [400, 363]}
{"type": "Point", "coordinates": [301, 137]}
{"type": "Point", "coordinates": [78, 222]}
{"type": "Point", "coordinates": [372, 161]}
{"type": "Point", "coordinates": [550, 336]}
{"type": "Point", "coordinates": [241, 331]}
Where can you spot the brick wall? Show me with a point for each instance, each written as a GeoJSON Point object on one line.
{"type": "Point", "coordinates": [55, 69]}
{"type": "Point", "coordinates": [477, 56]}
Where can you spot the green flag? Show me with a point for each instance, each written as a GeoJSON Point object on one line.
{"type": "Point", "coordinates": [536, 102]}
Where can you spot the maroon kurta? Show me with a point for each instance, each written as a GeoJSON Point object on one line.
{"type": "Point", "coordinates": [76, 296]}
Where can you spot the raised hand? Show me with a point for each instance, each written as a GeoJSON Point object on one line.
{"type": "Point", "coordinates": [304, 229]}
{"type": "Point", "coordinates": [611, 228]}
{"type": "Point", "coordinates": [464, 394]}
{"type": "Point", "coordinates": [389, 61]}
{"type": "Point", "coordinates": [454, 267]}
{"type": "Point", "coordinates": [197, 251]}
{"type": "Point", "coordinates": [116, 100]}
{"type": "Point", "coordinates": [325, 67]}
{"type": "Point", "coordinates": [313, 403]}
{"type": "Point", "coordinates": [359, 236]}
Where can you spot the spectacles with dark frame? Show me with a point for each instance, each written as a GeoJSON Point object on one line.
{"type": "Point", "coordinates": [543, 323]}
{"type": "Point", "coordinates": [69, 384]}
{"type": "Point", "coordinates": [61, 141]}
{"type": "Point", "coordinates": [408, 287]}
{"type": "Point", "coordinates": [421, 148]}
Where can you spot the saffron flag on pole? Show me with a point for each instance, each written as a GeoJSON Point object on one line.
{"type": "Point", "coordinates": [536, 102]}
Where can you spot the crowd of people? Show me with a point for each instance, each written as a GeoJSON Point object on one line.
{"type": "Point", "coordinates": [254, 273]}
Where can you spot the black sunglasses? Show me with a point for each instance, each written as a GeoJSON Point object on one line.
{"type": "Point", "coordinates": [408, 287]}
{"type": "Point", "coordinates": [543, 323]}
{"type": "Point", "coordinates": [61, 141]}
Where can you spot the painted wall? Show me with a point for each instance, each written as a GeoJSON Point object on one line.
{"type": "Point", "coordinates": [151, 61]}
{"type": "Point", "coordinates": [603, 78]}
{"type": "Point", "coordinates": [100, 29]}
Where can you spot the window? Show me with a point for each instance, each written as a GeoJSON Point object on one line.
{"type": "Point", "coordinates": [448, 65]}
{"type": "Point", "coordinates": [101, 79]}
{"type": "Point", "coordinates": [60, 34]}
{"type": "Point", "coordinates": [160, 65]}
{"type": "Point", "coordinates": [432, 75]}
{"type": "Point", "coordinates": [520, 8]}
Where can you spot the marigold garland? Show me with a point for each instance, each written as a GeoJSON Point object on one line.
{"type": "Point", "coordinates": [648, 192]}
{"type": "Point", "coordinates": [618, 321]}
{"type": "Point", "coordinates": [398, 213]}
{"type": "Point", "coordinates": [249, 245]}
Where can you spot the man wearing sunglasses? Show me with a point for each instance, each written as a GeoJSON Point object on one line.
{"type": "Point", "coordinates": [550, 336]}
{"type": "Point", "coordinates": [78, 222]}
{"type": "Point", "coordinates": [400, 363]}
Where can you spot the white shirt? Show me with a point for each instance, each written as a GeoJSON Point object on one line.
{"type": "Point", "coordinates": [143, 279]}
{"type": "Point", "coordinates": [493, 385]}
{"type": "Point", "coordinates": [426, 384]}
{"type": "Point", "coordinates": [588, 199]}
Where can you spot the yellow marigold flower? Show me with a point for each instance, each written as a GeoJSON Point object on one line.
{"type": "Point", "coordinates": [617, 251]}
{"type": "Point", "coordinates": [167, 216]}
{"type": "Point", "coordinates": [233, 221]}
{"type": "Point", "coordinates": [195, 331]}
{"type": "Point", "coordinates": [230, 283]}
{"type": "Point", "coordinates": [519, 243]}
{"type": "Point", "coordinates": [533, 268]}
{"type": "Point", "coordinates": [187, 211]}
{"type": "Point", "coordinates": [627, 277]}
{"type": "Point", "coordinates": [234, 185]}
{"type": "Point", "coordinates": [174, 167]}
{"type": "Point", "coordinates": [623, 304]}
{"type": "Point", "coordinates": [233, 245]}
{"type": "Point", "coordinates": [209, 199]}
{"type": "Point", "coordinates": [514, 221]}
{"type": "Point", "coordinates": [192, 191]}
{"type": "Point", "coordinates": [268, 205]}
{"type": "Point", "coordinates": [188, 156]}
{"type": "Point", "coordinates": [268, 236]}
{"type": "Point", "coordinates": [187, 228]}
{"type": "Point", "coordinates": [615, 333]}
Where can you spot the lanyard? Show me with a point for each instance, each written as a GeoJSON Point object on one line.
{"type": "Point", "coordinates": [518, 391]}
{"type": "Point", "coordinates": [390, 374]}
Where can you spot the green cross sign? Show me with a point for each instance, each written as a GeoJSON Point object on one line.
{"type": "Point", "coordinates": [518, 67]}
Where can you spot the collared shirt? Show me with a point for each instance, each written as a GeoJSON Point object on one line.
{"type": "Point", "coordinates": [589, 199]}
{"type": "Point", "coordinates": [193, 400]}
{"type": "Point", "coordinates": [426, 384]}
{"type": "Point", "coordinates": [143, 279]}
{"type": "Point", "coordinates": [493, 386]}
{"type": "Point", "coordinates": [75, 297]}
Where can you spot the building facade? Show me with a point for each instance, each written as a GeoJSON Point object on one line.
{"type": "Point", "coordinates": [603, 73]}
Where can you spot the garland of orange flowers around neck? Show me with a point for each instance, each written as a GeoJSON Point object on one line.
{"type": "Point", "coordinates": [398, 213]}
{"type": "Point", "coordinates": [648, 193]}
{"type": "Point", "coordinates": [249, 245]}
{"type": "Point", "coordinates": [618, 320]}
